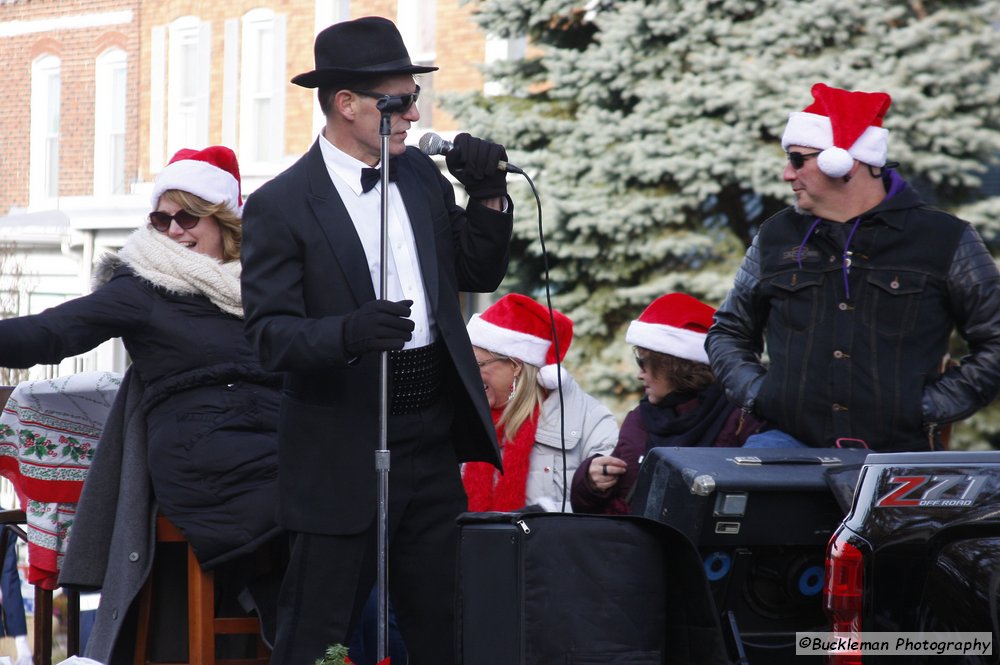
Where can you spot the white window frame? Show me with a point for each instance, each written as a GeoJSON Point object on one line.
{"type": "Point", "coordinates": [157, 97]}
{"type": "Point", "coordinates": [189, 52]}
{"type": "Point", "coordinates": [110, 103]}
{"type": "Point", "coordinates": [262, 84]}
{"type": "Point", "coordinates": [231, 82]}
{"type": "Point", "coordinates": [43, 171]}
{"type": "Point", "coordinates": [417, 22]}
{"type": "Point", "coordinates": [325, 15]}
{"type": "Point", "coordinates": [497, 50]}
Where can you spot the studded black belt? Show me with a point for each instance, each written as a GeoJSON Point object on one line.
{"type": "Point", "coordinates": [415, 377]}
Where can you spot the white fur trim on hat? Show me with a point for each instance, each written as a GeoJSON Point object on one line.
{"type": "Point", "coordinates": [200, 178]}
{"type": "Point", "coordinates": [835, 162]}
{"type": "Point", "coordinates": [815, 131]}
{"type": "Point", "coordinates": [507, 342]}
{"type": "Point", "coordinates": [687, 344]}
{"type": "Point", "coordinates": [548, 376]}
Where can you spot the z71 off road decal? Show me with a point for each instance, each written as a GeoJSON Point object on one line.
{"type": "Point", "coordinates": [933, 490]}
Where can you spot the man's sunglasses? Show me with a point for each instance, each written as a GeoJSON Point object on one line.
{"type": "Point", "coordinates": [160, 220]}
{"type": "Point", "coordinates": [798, 159]}
{"type": "Point", "coordinates": [398, 103]}
{"type": "Point", "coordinates": [640, 361]}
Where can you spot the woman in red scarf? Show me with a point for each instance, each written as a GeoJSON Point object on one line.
{"type": "Point", "coordinates": [517, 342]}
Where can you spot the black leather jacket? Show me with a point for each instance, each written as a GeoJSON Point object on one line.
{"type": "Point", "coordinates": [856, 335]}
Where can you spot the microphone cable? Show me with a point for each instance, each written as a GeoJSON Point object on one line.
{"type": "Point", "coordinates": [555, 337]}
{"type": "Point", "coordinates": [432, 144]}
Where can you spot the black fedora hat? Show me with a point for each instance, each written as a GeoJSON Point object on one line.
{"type": "Point", "coordinates": [366, 46]}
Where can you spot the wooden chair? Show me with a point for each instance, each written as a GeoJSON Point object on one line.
{"type": "Point", "coordinates": [203, 625]}
{"type": "Point", "coordinates": [12, 522]}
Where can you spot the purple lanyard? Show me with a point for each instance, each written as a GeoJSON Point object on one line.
{"type": "Point", "coordinates": [846, 266]}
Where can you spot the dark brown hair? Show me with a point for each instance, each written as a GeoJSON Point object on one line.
{"type": "Point", "coordinates": [688, 376]}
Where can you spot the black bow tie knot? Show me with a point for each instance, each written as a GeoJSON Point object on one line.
{"type": "Point", "coordinates": [369, 176]}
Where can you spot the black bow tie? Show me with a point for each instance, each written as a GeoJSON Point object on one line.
{"type": "Point", "coordinates": [369, 177]}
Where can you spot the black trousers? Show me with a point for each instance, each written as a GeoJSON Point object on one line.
{"type": "Point", "coordinates": [329, 577]}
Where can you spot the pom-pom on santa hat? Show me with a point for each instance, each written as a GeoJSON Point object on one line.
{"type": "Point", "coordinates": [212, 174]}
{"type": "Point", "coordinates": [844, 125]}
{"type": "Point", "coordinates": [675, 324]}
{"type": "Point", "coordinates": [519, 327]}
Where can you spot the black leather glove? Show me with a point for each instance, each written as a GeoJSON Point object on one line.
{"type": "Point", "coordinates": [474, 163]}
{"type": "Point", "coordinates": [378, 325]}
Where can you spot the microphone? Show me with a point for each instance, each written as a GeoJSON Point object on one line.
{"type": "Point", "coordinates": [432, 144]}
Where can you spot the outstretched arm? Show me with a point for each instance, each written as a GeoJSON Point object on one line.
{"type": "Point", "coordinates": [75, 326]}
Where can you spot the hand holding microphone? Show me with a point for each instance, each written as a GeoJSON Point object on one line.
{"type": "Point", "coordinates": [474, 163]}
{"type": "Point", "coordinates": [481, 166]}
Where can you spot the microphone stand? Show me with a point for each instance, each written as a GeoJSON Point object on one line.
{"type": "Point", "coordinates": [382, 461]}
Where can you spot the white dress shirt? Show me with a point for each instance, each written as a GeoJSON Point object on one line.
{"type": "Point", "coordinates": [404, 280]}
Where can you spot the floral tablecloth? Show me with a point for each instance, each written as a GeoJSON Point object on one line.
{"type": "Point", "coordinates": [49, 431]}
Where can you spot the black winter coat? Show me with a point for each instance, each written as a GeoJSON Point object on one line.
{"type": "Point", "coordinates": [211, 410]}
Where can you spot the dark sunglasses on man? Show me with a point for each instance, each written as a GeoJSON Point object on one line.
{"type": "Point", "coordinates": [160, 220]}
{"type": "Point", "coordinates": [398, 103]}
{"type": "Point", "coordinates": [798, 159]}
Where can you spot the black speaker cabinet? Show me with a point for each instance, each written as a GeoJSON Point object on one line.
{"type": "Point", "coordinates": [761, 520]}
{"type": "Point", "coordinates": [565, 589]}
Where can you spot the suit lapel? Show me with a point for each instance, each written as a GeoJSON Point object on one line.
{"type": "Point", "coordinates": [336, 225]}
{"type": "Point", "coordinates": [416, 202]}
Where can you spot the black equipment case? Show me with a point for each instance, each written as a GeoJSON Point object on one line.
{"type": "Point", "coordinates": [566, 589]}
{"type": "Point", "coordinates": [761, 519]}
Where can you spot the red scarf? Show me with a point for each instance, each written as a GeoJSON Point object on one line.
{"type": "Point", "coordinates": [486, 487]}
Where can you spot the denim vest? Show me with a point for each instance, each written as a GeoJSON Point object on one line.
{"type": "Point", "coordinates": [853, 334]}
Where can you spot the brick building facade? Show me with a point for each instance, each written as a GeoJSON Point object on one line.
{"type": "Point", "coordinates": [100, 93]}
{"type": "Point", "coordinates": [73, 35]}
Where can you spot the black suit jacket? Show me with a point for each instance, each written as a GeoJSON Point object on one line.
{"type": "Point", "coordinates": [304, 270]}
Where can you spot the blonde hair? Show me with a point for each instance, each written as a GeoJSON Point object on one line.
{"type": "Point", "coordinates": [230, 225]}
{"type": "Point", "coordinates": [526, 399]}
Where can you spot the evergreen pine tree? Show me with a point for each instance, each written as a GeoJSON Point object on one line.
{"type": "Point", "coordinates": [652, 131]}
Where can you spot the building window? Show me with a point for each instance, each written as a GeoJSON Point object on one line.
{"type": "Point", "coordinates": [188, 77]}
{"type": "Point", "coordinates": [262, 88]}
{"type": "Point", "coordinates": [157, 97]}
{"type": "Point", "coordinates": [44, 151]}
{"type": "Point", "coordinates": [109, 124]}
{"type": "Point", "coordinates": [417, 23]}
{"type": "Point", "coordinates": [498, 50]}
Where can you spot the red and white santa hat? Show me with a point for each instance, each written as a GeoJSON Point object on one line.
{"type": "Point", "coordinates": [519, 327]}
{"type": "Point", "coordinates": [212, 174]}
{"type": "Point", "coordinates": [675, 324]}
{"type": "Point", "coordinates": [844, 125]}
